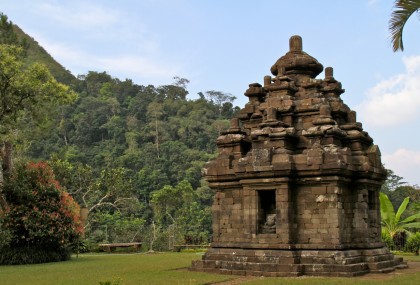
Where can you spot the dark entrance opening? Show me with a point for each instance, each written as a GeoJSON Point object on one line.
{"type": "Point", "coordinates": [267, 212]}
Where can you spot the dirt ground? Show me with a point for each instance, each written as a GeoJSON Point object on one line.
{"type": "Point", "coordinates": [412, 268]}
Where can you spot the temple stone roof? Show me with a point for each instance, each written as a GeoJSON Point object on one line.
{"type": "Point", "coordinates": [296, 125]}
{"type": "Point", "coordinates": [296, 61]}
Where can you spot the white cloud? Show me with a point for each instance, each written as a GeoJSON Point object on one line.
{"type": "Point", "coordinates": [84, 16]}
{"type": "Point", "coordinates": [133, 66]}
{"type": "Point", "coordinates": [137, 66]}
{"type": "Point", "coordinates": [405, 163]}
{"type": "Point", "coordinates": [394, 100]}
{"type": "Point", "coordinates": [63, 53]}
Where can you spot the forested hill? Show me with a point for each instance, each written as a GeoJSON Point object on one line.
{"type": "Point", "coordinates": [121, 141]}
{"type": "Point", "coordinates": [132, 154]}
{"type": "Point", "coordinates": [154, 131]}
{"type": "Point", "coordinates": [157, 133]}
{"type": "Point", "coordinates": [36, 53]}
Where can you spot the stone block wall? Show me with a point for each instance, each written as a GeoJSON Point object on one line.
{"type": "Point", "coordinates": [296, 181]}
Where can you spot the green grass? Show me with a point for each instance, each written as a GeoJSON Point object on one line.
{"type": "Point", "coordinates": [162, 268]}
{"type": "Point", "coordinates": [411, 257]}
{"type": "Point", "coordinates": [91, 269]}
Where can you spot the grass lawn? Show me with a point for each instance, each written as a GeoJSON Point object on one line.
{"type": "Point", "coordinates": [166, 268]}
{"type": "Point", "coordinates": [133, 269]}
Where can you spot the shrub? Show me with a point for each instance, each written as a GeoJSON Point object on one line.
{"type": "Point", "coordinates": [40, 216]}
{"type": "Point", "coordinates": [413, 243]}
{"type": "Point", "coordinates": [114, 227]}
{"type": "Point", "coordinates": [32, 255]}
{"type": "Point", "coordinates": [4, 237]}
{"type": "Point", "coordinates": [388, 240]}
{"type": "Point", "coordinates": [80, 246]}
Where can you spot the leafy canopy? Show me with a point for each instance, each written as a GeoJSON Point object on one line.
{"type": "Point", "coordinates": [26, 93]}
{"type": "Point", "coordinates": [393, 223]}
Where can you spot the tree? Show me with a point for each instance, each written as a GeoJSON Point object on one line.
{"type": "Point", "coordinates": [400, 193]}
{"type": "Point", "coordinates": [25, 94]}
{"type": "Point", "coordinates": [169, 201]}
{"type": "Point", "coordinates": [399, 17]}
{"type": "Point", "coordinates": [114, 214]}
{"type": "Point", "coordinates": [413, 243]}
{"type": "Point", "coordinates": [7, 34]}
{"type": "Point", "coordinates": [40, 216]}
{"type": "Point", "coordinates": [392, 182]}
{"type": "Point", "coordinates": [392, 223]}
{"type": "Point", "coordinates": [24, 91]}
{"type": "Point", "coordinates": [219, 98]}
{"type": "Point", "coordinates": [112, 189]}
{"type": "Point", "coordinates": [155, 112]}
{"type": "Point", "coordinates": [180, 206]}
{"type": "Point", "coordinates": [180, 82]}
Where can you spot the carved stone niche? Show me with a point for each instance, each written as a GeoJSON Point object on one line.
{"type": "Point", "coordinates": [297, 181]}
{"type": "Point", "coordinates": [267, 212]}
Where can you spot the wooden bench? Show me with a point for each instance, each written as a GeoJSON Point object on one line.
{"type": "Point", "coordinates": [179, 247]}
{"type": "Point", "coordinates": [110, 247]}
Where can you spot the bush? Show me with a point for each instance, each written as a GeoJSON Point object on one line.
{"type": "Point", "coordinates": [388, 240]}
{"type": "Point", "coordinates": [32, 255]}
{"type": "Point", "coordinates": [5, 237]}
{"type": "Point", "coordinates": [40, 217]}
{"type": "Point", "coordinates": [413, 243]}
{"type": "Point", "coordinates": [80, 246]}
{"type": "Point", "coordinates": [114, 227]}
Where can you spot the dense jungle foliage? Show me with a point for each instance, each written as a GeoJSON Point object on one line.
{"type": "Point", "coordinates": [131, 155]}
{"type": "Point", "coordinates": [134, 154]}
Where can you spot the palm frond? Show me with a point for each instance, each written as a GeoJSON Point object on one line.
{"type": "Point", "coordinates": [415, 225]}
{"type": "Point", "coordinates": [387, 210]}
{"type": "Point", "coordinates": [399, 17]}
{"type": "Point", "coordinates": [411, 218]}
{"type": "Point", "coordinates": [401, 209]}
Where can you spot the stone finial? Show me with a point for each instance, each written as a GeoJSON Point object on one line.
{"type": "Point", "coordinates": [271, 114]}
{"type": "Point", "coordinates": [295, 44]}
{"type": "Point", "coordinates": [351, 117]}
{"type": "Point", "coordinates": [296, 62]}
{"type": "Point", "coordinates": [329, 72]}
{"type": "Point", "coordinates": [325, 111]}
{"type": "Point", "coordinates": [267, 80]}
{"type": "Point", "coordinates": [234, 123]}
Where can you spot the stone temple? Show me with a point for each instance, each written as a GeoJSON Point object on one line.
{"type": "Point", "coordinates": [296, 181]}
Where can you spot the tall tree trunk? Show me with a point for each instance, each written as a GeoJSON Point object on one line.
{"type": "Point", "coordinates": [3, 204]}
{"type": "Point", "coordinates": [7, 163]}
{"type": "Point", "coordinates": [157, 137]}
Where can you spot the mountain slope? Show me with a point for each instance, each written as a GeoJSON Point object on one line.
{"type": "Point", "coordinates": [36, 53]}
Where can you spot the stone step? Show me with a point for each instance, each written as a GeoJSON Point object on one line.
{"type": "Point", "coordinates": [330, 268]}
{"type": "Point", "coordinates": [382, 265]}
{"type": "Point", "coordinates": [379, 258]}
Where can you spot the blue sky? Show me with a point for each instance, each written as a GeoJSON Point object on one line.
{"type": "Point", "coordinates": [226, 45]}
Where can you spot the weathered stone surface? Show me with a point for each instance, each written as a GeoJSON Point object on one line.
{"type": "Point", "coordinates": [296, 181]}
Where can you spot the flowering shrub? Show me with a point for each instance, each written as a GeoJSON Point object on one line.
{"type": "Point", "coordinates": [39, 213]}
